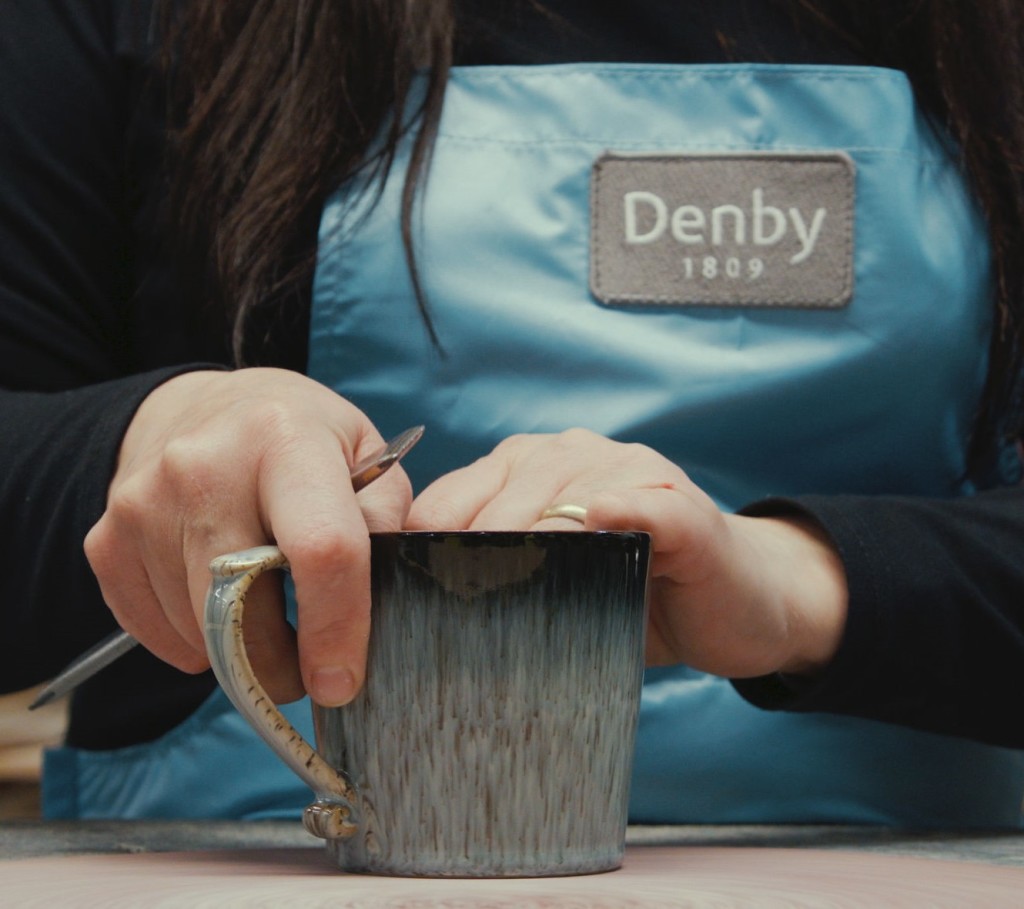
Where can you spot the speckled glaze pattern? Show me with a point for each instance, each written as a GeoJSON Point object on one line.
{"type": "Point", "coordinates": [494, 736]}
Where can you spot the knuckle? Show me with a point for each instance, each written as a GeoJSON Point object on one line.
{"type": "Point", "coordinates": [513, 444]}
{"type": "Point", "coordinates": [441, 514]}
{"type": "Point", "coordinates": [637, 451]}
{"type": "Point", "coordinates": [126, 506]}
{"type": "Point", "coordinates": [571, 440]}
{"type": "Point", "coordinates": [180, 455]}
{"type": "Point", "coordinates": [192, 662]}
{"type": "Point", "coordinates": [574, 435]}
{"type": "Point", "coordinates": [99, 546]}
{"type": "Point", "coordinates": [325, 550]}
{"type": "Point", "coordinates": [188, 466]}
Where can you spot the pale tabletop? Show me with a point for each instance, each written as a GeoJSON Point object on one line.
{"type": "Point", "coordinates": [172, 864]}
{"type": "Point", "coordinates": [21, 839]}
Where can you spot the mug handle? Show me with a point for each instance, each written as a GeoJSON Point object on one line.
{"type": "Point", "coordinates": [330, 816]}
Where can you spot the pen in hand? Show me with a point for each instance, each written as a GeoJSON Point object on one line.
{"type": "Point", "coordinates": [119, 643]}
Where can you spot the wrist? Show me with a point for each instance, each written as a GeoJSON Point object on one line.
{"type": "Point", "coordinates": [822, 598]}
{"type": "Point", "coordinates": [809, 576]}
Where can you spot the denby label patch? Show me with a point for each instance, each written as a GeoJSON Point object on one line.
{"type": "Point", "coordinates": [747, 229]}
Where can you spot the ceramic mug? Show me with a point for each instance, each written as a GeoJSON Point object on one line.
{"type": "Point", "coordinates": [494, 734]}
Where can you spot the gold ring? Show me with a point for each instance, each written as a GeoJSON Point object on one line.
{"type": "Point", "coordinates": [566, 510]}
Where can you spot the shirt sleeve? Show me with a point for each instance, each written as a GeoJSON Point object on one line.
{"type": "Point", "coordinates": [935, 631]}
{"type": "Point", "coordinates": [76, 276]}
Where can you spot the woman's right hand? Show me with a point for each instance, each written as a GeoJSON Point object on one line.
{"type": "Point", "coordinates": [215, 462]}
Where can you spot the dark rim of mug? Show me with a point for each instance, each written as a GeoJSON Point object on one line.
{"type": "Point", "coordinates": [507, 534]}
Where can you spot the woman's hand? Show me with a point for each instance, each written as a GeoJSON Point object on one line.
{"type": "Point", "coordinates": [215, 462]}
{"type": "Point", "coordinates": [731, 595]}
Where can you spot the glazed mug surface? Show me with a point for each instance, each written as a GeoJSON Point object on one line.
{"type": "Point", "coordinates": [494, 734]}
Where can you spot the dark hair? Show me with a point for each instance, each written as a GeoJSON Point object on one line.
{"type": "Point", "coordinates": [966, 63]}
{"type": "Point", "coordinates": [279, 102]}
{"type": "Point", "coordinates": [276, 104]}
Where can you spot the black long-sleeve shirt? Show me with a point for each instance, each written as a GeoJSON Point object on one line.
{"type": "Point", "coordinates": [94, 314]}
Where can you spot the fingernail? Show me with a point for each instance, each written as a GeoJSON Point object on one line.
{"type": "Point", "coordinates": [333, 687]}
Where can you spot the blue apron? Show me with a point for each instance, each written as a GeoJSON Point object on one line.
{"type": "Point", "coordinates": [869, 387]}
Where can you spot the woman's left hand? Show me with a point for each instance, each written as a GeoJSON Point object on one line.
{"type": "Point", "coordinates": [731, 595]}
